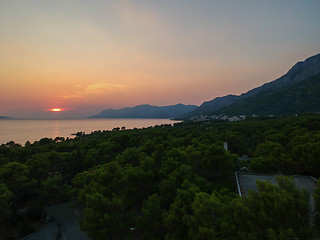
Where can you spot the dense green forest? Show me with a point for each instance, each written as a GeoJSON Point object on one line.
{"type": "Point", "coordinates": [169, 182]}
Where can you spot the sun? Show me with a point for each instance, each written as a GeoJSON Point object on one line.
{"type": "Point", "coordinates": [56, 109]}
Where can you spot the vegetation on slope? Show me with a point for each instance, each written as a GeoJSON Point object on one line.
{"type": "Point", "coordinates": [301, 97]}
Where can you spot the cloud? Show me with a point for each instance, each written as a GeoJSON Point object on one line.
{"type": "Point", "coordinates": [72, 96]}
{"type": "Point", "coordinates": [139, 16]}
{"type": "Point", "coordinates": [94, 88]}
{"type": "Point", "coordinates": [100, 87]}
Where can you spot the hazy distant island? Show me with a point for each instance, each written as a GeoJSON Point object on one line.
{"type": "Point", "coordinates": [4, 117]}
{"type": "Point", "coordinates": [147, 111]}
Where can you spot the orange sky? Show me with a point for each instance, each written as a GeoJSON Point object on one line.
{"type": "Point", "coordinates": [87, 56]}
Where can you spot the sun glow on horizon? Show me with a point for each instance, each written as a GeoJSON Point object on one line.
{"type": "Point", "coordinates": [56, 109]}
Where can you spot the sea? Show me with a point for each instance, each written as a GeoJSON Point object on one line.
{"type": "Point", "coordinates": [22, 130]}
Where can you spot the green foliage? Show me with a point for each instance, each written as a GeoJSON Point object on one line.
{"type": "Point", "coordinates": [301, 97]}
{"type": "Point", "coordinates": [39, 166]}
{"type": "Point", "coordinates": [171, 182]}
{"type": "Point", "coordinates": [6, 197]}
{"type": "Point", "coordinates": [150, 224]}
{"type": "Point", "coordinates": [52, 189]}
{"type": "Point", "coordinates": [269, 157]}
{"type": "Point", "coordinates": [176, 218]}
{"type": "Point", "coordinates": [316, 196]}
{"type": "Point", "coordinates": [211, 217]}
{"type": "Point", "coordinates": [274, 212]}
{"type": "Point", "coordinates": [16, 176]}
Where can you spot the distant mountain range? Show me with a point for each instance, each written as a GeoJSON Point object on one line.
{"type": "Point", "coordinates": [298, 91]}
{"type": "Point", "coordinates": [2, 117]}
{"type": "Point", "coordinates": [147, 111]}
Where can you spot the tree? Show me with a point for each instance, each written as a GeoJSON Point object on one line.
{"type": "Point", "coordinates": [316, 219]}
{"type": "Point", "coordinates": [39, 166]}
{"type": "Point", "coordinates": [6, 206]}
{"type": "Point", "coordinates": [16, 176]}
{"type": "Point", "coordinates": [6, 197]}
{"type": "Point", "coordinates": [151, 223]}
{"type": "Point", "coordinates": [307, 155]}
{"type": "Point", "coordinates": [177, 217]}
{"type": "Point", "coordinates": [212, 217]}
{"type": "Point", "coordinates": [105, 217]}
{"type": "Point", "coordinates": [268, 157]}
{"type": "Point", "coordinates": [216, 163]}
{"type": "Point", "coordinates": [53, 189]}
{"type": "Point", "coordinates": [274, 212]}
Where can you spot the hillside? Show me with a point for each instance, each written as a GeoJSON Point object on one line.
{"type": "Point", "coordinates": [245, 103]}
{"type": "Point", "coordinates": [147, 111]}
{"type": "Point", "coordinates": [301, 97]}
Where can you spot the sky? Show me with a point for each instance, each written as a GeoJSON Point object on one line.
{"type": "Point", "coordinates": [86, 56]}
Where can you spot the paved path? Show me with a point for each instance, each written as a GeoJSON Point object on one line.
{"type": "Point", "coordinates": [68, 219]}
{"type": "Point", "coordinates": [49, 232]}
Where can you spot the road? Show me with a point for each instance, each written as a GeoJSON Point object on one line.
{"type": "Point", "coordinates": [68, 220]}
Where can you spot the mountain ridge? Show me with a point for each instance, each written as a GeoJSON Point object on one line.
{"type": "Point", "coordinates": [147, 111]}
{"type": "Point", "coordinates": [299, 72]}
{"type": "Point", "coordinates": [300, 97]}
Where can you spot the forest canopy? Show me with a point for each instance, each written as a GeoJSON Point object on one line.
{"type": "Point", "coordinates": [170, 182]}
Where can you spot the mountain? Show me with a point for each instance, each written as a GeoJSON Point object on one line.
{"type": "Point", "coordinates": [300, 97]}
{"type": "Point", "coordinates": [147, 111]}
{"type": "Point", "coordinates": [271, 97]}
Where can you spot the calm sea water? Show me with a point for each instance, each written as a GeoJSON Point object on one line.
{"type": "Point", "coordinates": [23, 130]}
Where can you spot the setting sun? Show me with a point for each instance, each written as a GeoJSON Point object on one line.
{"type": "Point", "coordinates": [56, 109]}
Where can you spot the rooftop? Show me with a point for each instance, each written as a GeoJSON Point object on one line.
{"type": "Point", "coordinates": [247, 181]}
